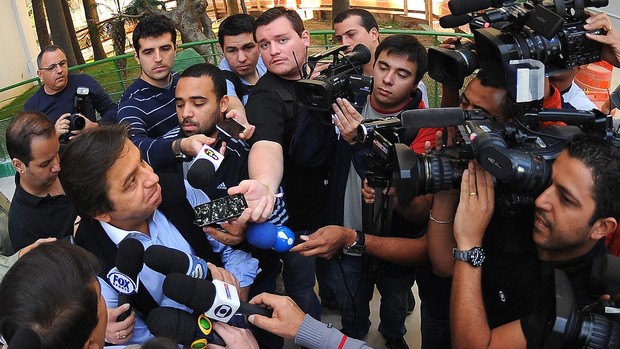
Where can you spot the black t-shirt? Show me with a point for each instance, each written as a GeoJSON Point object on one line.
{"type": "Point", "coordinates": [32, 217]}
{"type": "Point", "coordinates": [272, 109]}
{"type": "Point", "coordinates": [513, 276]}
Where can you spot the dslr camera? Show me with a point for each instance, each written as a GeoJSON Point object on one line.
{"type": "Point", "coordinates": [343, 78]}
{"type": "Point", "coordinates": [548, 31]}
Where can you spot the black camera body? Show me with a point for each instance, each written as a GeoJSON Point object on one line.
{"type": "Point", "coordinates": [558, 322]}
{"type": "Point", "coordinates": [343, 78]}
{"type": "Point", "coordinates": [551, 33]}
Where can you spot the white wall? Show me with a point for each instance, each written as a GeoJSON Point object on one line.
{"type": "Point", "coordinates": [19, 44]}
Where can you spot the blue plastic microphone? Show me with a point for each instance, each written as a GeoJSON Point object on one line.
{"type": "Point", "coordinates": [268, 235]}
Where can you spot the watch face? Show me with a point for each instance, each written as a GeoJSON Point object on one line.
{"type": "Point", "coordinates": [477, 257]}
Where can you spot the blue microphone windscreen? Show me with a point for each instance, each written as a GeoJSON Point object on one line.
{"type": "Point", "coordinates": [262, 235]}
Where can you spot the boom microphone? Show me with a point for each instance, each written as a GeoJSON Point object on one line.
{"type": "Point", "coordinates": [124, 278]}
{"type": "Point", "coordinates": [217, 299]}
{"type": "Point", "coordinates": [433, 117]}
{"type": "Point", "coordinates": [451, 21]}
{"type": "Point", "coordinates": [168, 260]}
{"type": "Point", "coordinates": [183, 327]}
{"type": "Point", "coordinates": [360, 54]}
{"type": "Point", "coordinates": [267, 235]}
{"type": "Point", "coordinates": [461, 7]}
{"type": "Point", "coordinates": [203, 167]}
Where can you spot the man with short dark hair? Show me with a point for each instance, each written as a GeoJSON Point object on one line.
{"type": "Point", "coordinates": [241, 55]}
{"type": "Point", "coordinates": [493, 298]}
{"type": "Point", "coordinates": [53, 291]}
{"type": "Point", "coordinates": [40, 208]}
{"type": "Point", "coordinates": [121, 198]}
{"type": "Point", "coordinates": [58, 97]}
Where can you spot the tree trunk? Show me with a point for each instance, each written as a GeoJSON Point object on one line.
{"type": "Point", "coordinates": [233, 7]}
{"type": "Point", "coordinates": [71, 29]}
{"type": "Point", "coordinates": [119, 39]}
{"type": "Point", "coordinates": [58, 27]}
{"type": "Point", "coordinates": [40, 23]}
{"type": "Point", "coordinates": [92, 18]}
{"type": "Point", "coordinates": [339, 6]}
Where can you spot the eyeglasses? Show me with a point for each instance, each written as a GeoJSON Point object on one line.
{"type": "Point", "coordinates": [52, 67]}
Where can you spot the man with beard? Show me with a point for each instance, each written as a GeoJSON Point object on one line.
{"type": "Point", "coordinates": [492, 306]}
{"type": "Point", "coordinates": [40, 208]}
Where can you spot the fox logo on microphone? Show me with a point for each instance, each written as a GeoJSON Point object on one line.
{"type": "Point", "coordinates": [122, 283]}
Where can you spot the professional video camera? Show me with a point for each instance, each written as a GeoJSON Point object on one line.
{"type": "Point", "coordinates": [517, 153]}
{"type": "Point", "coordinates": [342, 78]}
{"type": "Point", "coordinates": [559, 323]}
{"type": "Point", "coordinates": [548, 31]}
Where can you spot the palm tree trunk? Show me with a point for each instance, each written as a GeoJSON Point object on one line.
{"type": "Point", "coordinates": [71, 29]}
{"type": "Point", "coordinates": [58, 27]}
{"type": "Point", "coordinates": [40, 23]}
{"type": "Point", "coordinates": [92, 18]}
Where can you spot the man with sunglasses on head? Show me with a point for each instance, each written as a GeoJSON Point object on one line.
{"type": "Point", "coordinates": [63, 94]}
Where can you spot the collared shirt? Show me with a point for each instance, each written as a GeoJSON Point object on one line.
{"type": "Point", "coordinates": [33, 217]}
{"type": "Point", "coordinates": [230, 87]}
{"type": "Point", "coordinates": [164, 233]}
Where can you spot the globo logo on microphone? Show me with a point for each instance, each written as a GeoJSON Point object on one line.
{"type": "Point", "coordinates": [122, 283]}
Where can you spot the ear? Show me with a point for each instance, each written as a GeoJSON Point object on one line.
{"type": "Point", "coordinates": [136, 57]}
{"type": "Point", "coordinates": [374, 34]}
{"type": "Point", "coordinates": [224, 104]}
{"type": "Point", "coordinates": [18, 165]}
{"type": "Point", "coordinates": [602, 227]}
{"type": "Point", "coordinates": [104, 217]}
{"type": "Point", "coordinates": [305, 37]}
{"type": "Point", "coordinates": [40, 74]}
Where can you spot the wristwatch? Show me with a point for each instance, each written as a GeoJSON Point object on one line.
{"type": "Point", "coordinates": [359, 246]}
{"type": "Point", "coordinates": [176, 149]}
{"type": "Point", "coordinates": [474, 256]}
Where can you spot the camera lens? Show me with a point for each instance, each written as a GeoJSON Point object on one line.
{"type": "Point", "coordinates": [76, 122]}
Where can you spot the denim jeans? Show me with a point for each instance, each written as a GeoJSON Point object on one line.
{"type": "Point", "coordinates": [355, 287]}
{"type": "Point", "coordinates": [299, 278]}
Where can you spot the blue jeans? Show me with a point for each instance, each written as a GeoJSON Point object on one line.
{"type": "Point", "coordinates": [355, 286]}
{"type": "Point", "coordinates": [298, 276]}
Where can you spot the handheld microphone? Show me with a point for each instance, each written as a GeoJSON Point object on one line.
{"type": "Point", "coordinates": [183, 327]}
{"type": "Point", "coordinates": [124, 278]}
{"type": "Point", "coordinates": [267, 235]}
{"type": "Point", "coordinates": [217, 299]}
{"type": "Point", "coordinates": [168, 260]}
{"type": "Point", "coordinates": [25, 337]}
{"type": "Point", "coordinates": [203, 167]}
{"type": "Point", "coordinates": [451, 21]}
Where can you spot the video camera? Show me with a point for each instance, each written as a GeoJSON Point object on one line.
{"type": "Point", "coordinates": [517, 153]}
{"type": "Point", "coordinates": [559, 323]}
{"type": "Point", "coordinates": [342, 78]}
{"type": "Point", "coordinates": [550, 32]}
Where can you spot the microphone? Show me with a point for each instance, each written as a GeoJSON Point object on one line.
{"type": "Point", "coordinates": [267, 235]}
{"type": "Point", "coordinates": [461, 7]}
{"type": "Point", "coordinates": [217, 299]}
{"type": "Point", "coordinates": [25, 337]}
{"type": "Point", "coordinates": [168, 260]}
{"type": "Point", "coordinates": [203, 167]}
{"type": "Point", "coordinates": [124, 278]}
{"type": "Point", "coordinates": [183, 327]}
{"type": "Point", "coordinates": [451, 21]}
{"type": "Point", "coordinates": [433, 117]}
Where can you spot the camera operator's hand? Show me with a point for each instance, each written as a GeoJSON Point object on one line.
{"type": "Point", "coordinates": [368, 192]}
{"type": "Point", "coordinates": [475, 208]}
{"type": "Point", "coordinates": [326, 242]}
{"type": "Point", "coordinates": [450, 43]}
{"type": "Point", "coordinates": [347, 119]}
{"type": "Point", "coordinates": [610, 41]}
{"type": "Point", "coordinates": [286, 319]}
{"type": "Point", "coordinates": [62, 124]}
